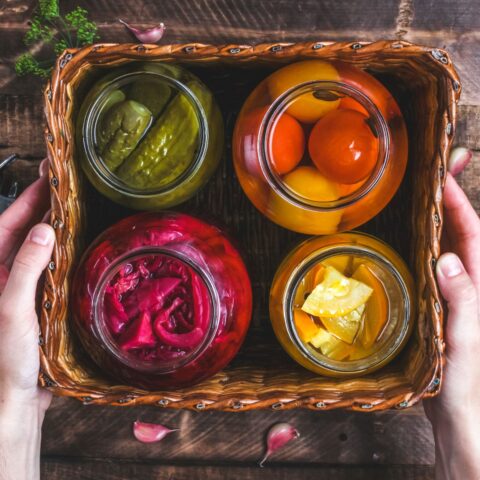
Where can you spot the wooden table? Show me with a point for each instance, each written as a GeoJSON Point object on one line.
{"type": "Point", "coordinates": [96, 443]}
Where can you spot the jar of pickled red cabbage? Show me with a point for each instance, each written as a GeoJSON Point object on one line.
{"type": "Point", "coordinates": [162, 300]}
{"type": "Point", "coordinates": [320, 147]}
{"type": "Point", "coordinates": [149, 135]}
{"type": "Point", "coordinates": [342, 305]}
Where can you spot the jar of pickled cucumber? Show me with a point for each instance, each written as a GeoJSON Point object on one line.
{"type": "Point", "coordinates": [161, 300]}
{"type": "Point", "coordinates": [320, 147]}
{"type": "Point", "coordinates": [342, 305]}
{"type": "Point", "coordinates": [149, 135]}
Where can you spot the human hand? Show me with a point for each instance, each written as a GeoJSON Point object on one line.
{"type": "Point", "coordinates": [25, 250]}
{"type": "Point", "coordinates": [455, 412]}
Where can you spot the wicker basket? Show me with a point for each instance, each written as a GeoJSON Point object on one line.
{"type": "Point", "coordinates": [427, 88]}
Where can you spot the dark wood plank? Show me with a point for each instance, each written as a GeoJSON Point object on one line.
{"type": "Point", "coordinates": [21, 126]}
{"type": "Point", "coordinates": [55, 469]}
{"type": "Point", "coordinates": [220, 16]}
{"type": "Point", "coordinates": [66, 469]}
{"type": "Point", "coordinates": [72, 429]}
{"type": "Point", "coordinates": [434, 15]}
{"type": "Point", "coordinates": [469, 180]}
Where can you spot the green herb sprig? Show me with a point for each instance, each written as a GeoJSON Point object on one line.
{"type": "Point", "coordinates": [50, 28]}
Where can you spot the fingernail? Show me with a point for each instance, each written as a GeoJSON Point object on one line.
{"type": "Point", "coordinates": [43, 168]}
{"type": "Point", "coordinates": [460, 157]}
{"type": "Point", "coordinates": [41, 235]}
{"type": "Point", "coordinates": [450, 265]}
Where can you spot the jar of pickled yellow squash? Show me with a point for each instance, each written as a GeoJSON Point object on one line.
{"type": "Point", "coordinates": [320, 147]}
{"type": "Point", "coordinates": [342, 305]}
{"type": "Point", "coordinates": [149, 135]}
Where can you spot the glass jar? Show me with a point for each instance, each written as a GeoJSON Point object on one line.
{"type": "Point", "coordinates": [149, 135]}
{"type": "Point", "coordinates": [342, 305]}
{"type": "Point", "coordinates": [320, 147]}
{"type": "Point", "coordinates": [162, 300]}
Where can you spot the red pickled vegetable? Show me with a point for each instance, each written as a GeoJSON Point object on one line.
{"type": "Point", "coordinates": [180, 340]}
{"type": "Point", "coordinates": [115, 314]}
{"type": "Point", "coordinates": [139, 334]}
{"type": "Point", "coordinates": [212, 293]}
{"type": "Point", "coordinates": [150, 296]}
{"type": "Point", "coordinates": [157, 307]}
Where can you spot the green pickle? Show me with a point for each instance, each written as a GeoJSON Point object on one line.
{"type": "Point", "coordinates": [114, 97]}
{"type": "Point", "coordinates": [138, 134]}
{"type": "Point", "coordinates": [169, 147]}
{"type": "Point", "coordinates": [153, 95]}
{"type": "Point", "coordinates": [120, 130]}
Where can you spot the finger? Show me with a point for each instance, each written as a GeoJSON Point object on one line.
{"type": "Point", "coordinates": [463, 228]}
{"type": "Point", "coordinates": [43, 167]}
{"type": "Point", "coordinates": [3, 277]}
{"type": "Point", "coordinates": [457, 288]}
{"type": "Point", "coordinates": [18, 297]}
{"type": "Point", "coordinates": [459, 158]}
{"type": "Point", "coordinates": [28, 209]}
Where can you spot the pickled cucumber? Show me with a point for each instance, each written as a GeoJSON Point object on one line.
{"type": "Point", "coordinates": [114, 97]}
{"type": "Point", "coordinates": [120, 130]}
{"type": "Point", "coordinates": [169, 147]}
{"type": "Point", "coordinates": [154, 95]}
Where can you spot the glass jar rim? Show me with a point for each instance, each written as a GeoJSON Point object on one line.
{"type": "Point", "coordinates": [105, 336]}
{"type": "Point", "coordinates": [352, 366]}
{"type": "Point", "coordinates": [92, 116]}
{"type": "Point", "coordinates": [280, 105]}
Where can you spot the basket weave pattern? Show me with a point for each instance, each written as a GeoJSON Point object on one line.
{"type": "Point", "coordinates": [250, 386]}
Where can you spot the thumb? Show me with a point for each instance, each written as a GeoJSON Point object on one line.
{"type": "Point", "coordinates": [459, 291]}
{"type": "Point", "coordinates": [29, 263]}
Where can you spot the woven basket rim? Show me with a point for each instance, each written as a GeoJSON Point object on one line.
{"type": "Point", "coordinates": [57, 109]}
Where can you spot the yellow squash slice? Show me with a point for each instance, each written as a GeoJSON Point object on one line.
{"type": "Point", "coordinates": [346, 327]}
{"type": "Point", "coordinates": [331, 346]}
{"type": "Point", "coordinates": [336, 295]}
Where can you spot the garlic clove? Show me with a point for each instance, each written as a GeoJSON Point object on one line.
{"type": "Point", "coordinates": [150, 432]}
{"type": "Point", "coordinates": [278, 436]}
{"type": "Point", "coordinates": [148, 35]}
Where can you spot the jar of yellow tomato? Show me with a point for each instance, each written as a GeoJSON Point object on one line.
{"type": "Point", "coordinates": [320, 147]}
{"type": "Point", "coordinates": [342, 305]}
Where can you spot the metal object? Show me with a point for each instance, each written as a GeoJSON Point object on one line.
{"type": "Point", "coordinates": [9, 193]}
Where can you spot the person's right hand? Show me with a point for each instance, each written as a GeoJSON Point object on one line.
{"type": "Point", "coordinates": [455, 412]}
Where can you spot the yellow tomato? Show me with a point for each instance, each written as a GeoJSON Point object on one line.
{"type": "Point", "coordinates": [306, 108]}
{"type": "Point", "coordinates": [309, 183]}
{"type": "Point", "coordinates": [306, 182]}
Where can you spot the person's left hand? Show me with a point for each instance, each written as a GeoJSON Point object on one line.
{"type": "Point", "coordinates": [25, 251]}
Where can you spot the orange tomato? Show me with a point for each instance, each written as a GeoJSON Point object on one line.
{"type": "Point", "coordinates": [305, 108]}
{"type": "Point", "coordinates": [286, 146]}
{"type": "Point", "coordinates": [343, 147]}
{"type": "Point", "coordinates": [371, 87]}
{"type": "Point", "coordinates": [348, 103]}
{"type": "Point", "coordinates": [376, 312]}
{"type": "Point", "coordinates": [347, 189]}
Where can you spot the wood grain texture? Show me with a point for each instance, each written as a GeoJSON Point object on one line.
{"type": "Point", "coordinates": [343, 438]}
{"type": "Point", "coordinates": [66, 469]}
{"type": "Point", "coordinates": [434, 15]}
